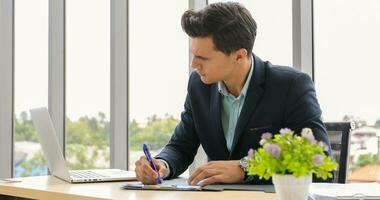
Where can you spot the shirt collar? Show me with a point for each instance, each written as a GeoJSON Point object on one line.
{"type": "Point", "coordinates": [222, 87]}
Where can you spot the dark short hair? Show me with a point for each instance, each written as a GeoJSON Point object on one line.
{"type": "Point", "coordinates": [230, 25]}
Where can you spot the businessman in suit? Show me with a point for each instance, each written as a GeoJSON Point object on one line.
{"type": "Point", "coordinates": [233, 97]}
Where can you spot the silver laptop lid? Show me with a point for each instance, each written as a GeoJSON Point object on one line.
{"type": "Point", "coordinates": [49, 142]}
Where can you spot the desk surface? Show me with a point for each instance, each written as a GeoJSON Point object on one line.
{"type": "Point", "coordinates": [48, 187]}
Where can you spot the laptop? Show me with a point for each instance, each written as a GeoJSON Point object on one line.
{"type": "Point", "coordinates": [56, 162]}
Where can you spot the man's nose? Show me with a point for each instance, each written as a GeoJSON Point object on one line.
{"type": "Point", "coordinates": [194, 64]}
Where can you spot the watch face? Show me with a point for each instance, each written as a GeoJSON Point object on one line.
{"type": "Point", "coordinates": [244, 163]}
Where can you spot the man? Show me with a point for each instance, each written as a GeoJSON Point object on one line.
{"type": "Point", "coordinates": [233, 97]}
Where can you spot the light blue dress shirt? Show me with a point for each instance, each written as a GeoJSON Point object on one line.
{"type": "Point", "coordinates": [231, 108]}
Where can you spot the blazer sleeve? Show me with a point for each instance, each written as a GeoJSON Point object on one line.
{"type": "Point", "coordinates": [183, 145]}
{"type": "Point", "coordinates": [302, 110]}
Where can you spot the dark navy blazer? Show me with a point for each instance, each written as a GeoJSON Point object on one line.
{"type": "Point", "coordinates": [277, 97]}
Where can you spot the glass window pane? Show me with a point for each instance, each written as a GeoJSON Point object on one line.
{"type": "Point", "coordinates": [158, 74]}
{"type": "Point", "coordinates": [87, 83]}
{"type": "Point", "coordinates": [31, 82]}
{"type": "Point", "coordinates": [274, 31]}
{"type": "Point", "coordinates": [347, 76]}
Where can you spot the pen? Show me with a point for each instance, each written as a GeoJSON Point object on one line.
{"type": "Point", "coordinates": [149, 158]}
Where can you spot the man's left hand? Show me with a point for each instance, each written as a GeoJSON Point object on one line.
{"type": "Point", "coordinates": [217, 172]}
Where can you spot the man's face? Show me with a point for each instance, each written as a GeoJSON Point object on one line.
{"type": "Point", "coordinates": [212, 65]}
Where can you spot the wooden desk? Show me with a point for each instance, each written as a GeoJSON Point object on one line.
{"type": "Point", "coordinates": [48, 187]}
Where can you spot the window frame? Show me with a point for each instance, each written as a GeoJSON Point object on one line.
{"type": "Point", "coordinates": [303, 36]}
{"type": "Point", "coordinates": [57, 70]}
{"type": "Point", "coordinates": [6, 88]}
{"type": "Point", "coordinates": [119, 120]}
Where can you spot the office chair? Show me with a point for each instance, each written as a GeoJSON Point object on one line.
{"type": "Point", "coordinates": [339, 134]}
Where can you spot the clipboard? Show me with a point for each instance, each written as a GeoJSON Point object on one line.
{"type": "Point", "coordinates": [140, 186]}
{"type": "Point", "coordinates": [180, 184]}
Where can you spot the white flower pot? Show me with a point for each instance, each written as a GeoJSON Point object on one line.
{"type": "Point", "coordinates": [288, 187]}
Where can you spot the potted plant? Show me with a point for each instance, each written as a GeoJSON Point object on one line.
{"type": "Point", "coordinates": [291, 160]}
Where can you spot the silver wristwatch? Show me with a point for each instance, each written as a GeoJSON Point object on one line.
{"type": "Point", "coordinates": [244, 164]}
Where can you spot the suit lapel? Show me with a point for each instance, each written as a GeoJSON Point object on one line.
{"type": "Point", "coordinates": [254, 93]}
{"type": "Point", "coordinates": [216, 125]}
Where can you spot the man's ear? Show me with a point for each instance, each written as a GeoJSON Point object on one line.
{"type": "Point", "coordinates": [240, 54]}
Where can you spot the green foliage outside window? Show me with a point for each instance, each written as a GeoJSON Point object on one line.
{"type": "Point", "coordinates": [24, 129]}
{"type": "Point", "coordinates": [364, 160]}
{"type": "Point", "coordinates": [156, 132]}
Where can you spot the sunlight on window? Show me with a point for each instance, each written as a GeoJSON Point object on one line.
{"type": "Point", "coordinates": [87, 83]}
{"type": "Point", "coordinates": [347, 76]}
{"type": "Point", "coordinates": [158, 73]}
{"type": "Point", "coordinates": [31, 82]}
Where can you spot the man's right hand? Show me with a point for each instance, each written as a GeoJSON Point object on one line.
{"type": "Point", "coordinates": [145, 173]}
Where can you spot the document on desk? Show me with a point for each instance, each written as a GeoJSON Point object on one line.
{"type": "Point", "coordinates": [180, 184]}
{"type": "Point", "coordinates": [352, 191]}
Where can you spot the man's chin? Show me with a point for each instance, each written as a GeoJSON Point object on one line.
{"type": "Point", "coordinates": [206, 81]}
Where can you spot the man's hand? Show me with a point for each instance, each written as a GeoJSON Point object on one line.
{"type": "Point", "coordinates": [217, 172]}
{"type": "Point", "coordinates": [145, 173]}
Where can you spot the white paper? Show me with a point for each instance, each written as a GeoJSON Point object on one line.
{"type": "Point", "coordinates": [176, 181]}
{"type": "Point", "coordinates": [344, 190]}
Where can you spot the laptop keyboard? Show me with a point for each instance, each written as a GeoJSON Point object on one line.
{"type": "Point", "coordinates": [86, 175]}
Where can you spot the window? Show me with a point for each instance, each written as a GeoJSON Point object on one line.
{"type": "Point", "coordinates": [274, 31]}
{"type": "Point", "coordinates": [31, 82]}
{"type": "Point", "coordinates": [347, 76]}
{"type": "Point", "coordinates": [158, 73]}
{"type": "Point", "coordinates": [87, 83]}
